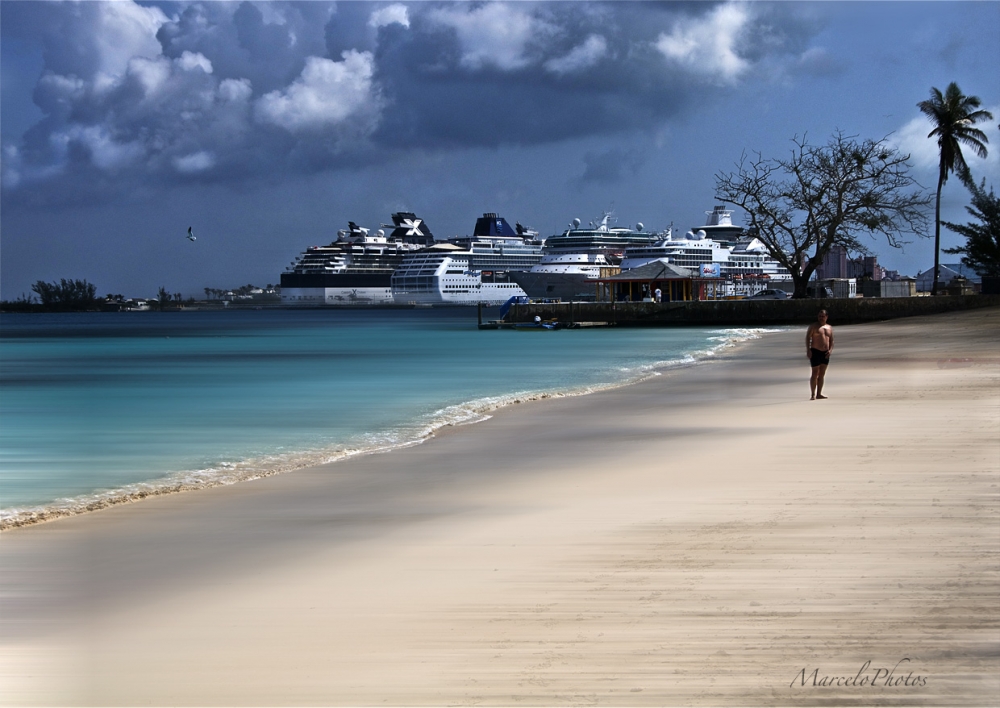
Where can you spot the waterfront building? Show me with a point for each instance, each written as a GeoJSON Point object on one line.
{"type": "Point", "coordinates": [949, 271]}
{"type": "Point", "coordinates": [640, 284]}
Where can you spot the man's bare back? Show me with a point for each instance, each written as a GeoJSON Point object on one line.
{"type": "Point", "coordinates": [819, 345]}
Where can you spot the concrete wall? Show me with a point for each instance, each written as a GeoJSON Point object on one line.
{"type": "Point", "coordinates": [748, 313]}
{"type": "Point", "coordinates": [888, 288]}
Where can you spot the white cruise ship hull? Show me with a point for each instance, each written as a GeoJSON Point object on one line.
{"type": "Point", "coordinates": [571, 287]}
{"type": "Point", "coordinates": [322, 297]}
{"type": "Point", "coordinates": [467, 271]}
{"type": "Point", "coordinates": [460, 292]}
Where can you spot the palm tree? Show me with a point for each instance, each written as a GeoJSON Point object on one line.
{"type": "Point", "coordinates": [954, 116]}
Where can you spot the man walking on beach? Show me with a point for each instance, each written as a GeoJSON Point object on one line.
{"type": "Point", "coordinates": [819, 345]}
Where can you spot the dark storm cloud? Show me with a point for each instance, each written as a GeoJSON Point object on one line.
{"type": "Point", "coordinates": [242, 42]}
{"type": "Point", "coordinates": [609, 166]}
{"type": "Point", "coordinates": [137, 96]}
{"type": "Point", "coordinates": [446, 93]}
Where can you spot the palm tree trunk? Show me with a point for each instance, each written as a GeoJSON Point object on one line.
{"type": "Point", "coordinates": [937, 234]}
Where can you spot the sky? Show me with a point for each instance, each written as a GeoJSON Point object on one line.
{"type": "Point", "coordinates": [267, 126]}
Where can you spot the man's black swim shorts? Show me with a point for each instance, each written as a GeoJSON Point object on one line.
{"type": "Point", "coordinates": [819, 357]}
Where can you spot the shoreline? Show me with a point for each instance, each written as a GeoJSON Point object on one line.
{"type": "Point", "coordinates": [466, 413]}
{"type": "Point", "coordinates": [705, 537]}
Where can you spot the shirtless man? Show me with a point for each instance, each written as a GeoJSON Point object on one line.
{"type": "Point", "coordinates": [819, 345]}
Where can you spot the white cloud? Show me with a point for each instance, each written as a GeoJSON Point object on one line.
{"type": "Point", "coordinates": [272, 13]}
{"type": "Point", "coordinates": [819, 61]}
{"type": "Point", "coordinates": [57, 91]}
{"type": "Point", "coordinates": [706, 46]}
{"type": "Point", "coordinates": [326, 93]}
{"type": "Point", "coordinates": [10, 167]}
{"type": "Point", "coordinates": [120, 32]}
{"type": "Point", "coordinates": [582, 57]}
{"type": "Point", "coordinates": [495, 34]}
{"type": "Point", "coordinates": [105, 152]}
{"type": "Point", "coordinates": [152, 74]}
{"type": "Point", "coordinates": [196, 162]}
{"type": "Point", "coordinates": [235, 90]}
{"type": "Point", "coordinates": [194, 60]}
{"type": "Point", "coordinates": [397, 14]}
{"type": "Point", "coordinates": [912, 139]}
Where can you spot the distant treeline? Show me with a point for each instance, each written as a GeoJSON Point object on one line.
{"type": "Point", "coordinates": [81, 296]}
{"type": "Point", "coordinates": [64, 296]}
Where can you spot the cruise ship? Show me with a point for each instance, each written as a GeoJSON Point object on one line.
{"type": "Point", "coordinates": [719, 249]}
{"type": "Point", "coordinates": [357, 268]}
{"type": "Point", "coordinates": [573, 260]}
{"type": "Point", "coordinates": [468, 270]}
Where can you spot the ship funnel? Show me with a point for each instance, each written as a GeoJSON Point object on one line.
{"type": "Point", "coordinates": [720, 216]}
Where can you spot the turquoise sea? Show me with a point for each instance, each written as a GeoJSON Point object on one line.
{"type": "Point", "coordinates": [103, 406]}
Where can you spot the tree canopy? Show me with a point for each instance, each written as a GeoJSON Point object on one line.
{"type": "Point", "coordinates": [954, 116]}
{"type": "Point", "coordinates": [982, 240]}
{"type": "Point", "coordinates": [842, 193]}
{"type": "Point", "coordinates": [66, 295]}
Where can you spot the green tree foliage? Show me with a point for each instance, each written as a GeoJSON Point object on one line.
{"type": "Point", "coordinates": [825, 195]}
{"type": "Point", "coordinates": [66, 295]}
{"type": "Point", "coordinates": [954, 116]}
{"type": "Point", "coordinates": [982, 238]}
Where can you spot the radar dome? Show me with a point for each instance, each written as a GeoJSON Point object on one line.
{"type": "Point", "coordinates": [701, 233]}
{"type": "Point", "coordinates": [380, 233]}
{"type": "Point", "coordinates": [639, 226]}
{"type": "Point", "coordinates": [576, 223]}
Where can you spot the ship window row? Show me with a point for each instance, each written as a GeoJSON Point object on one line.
{"type": "Point", "coordinates": [410, 281]}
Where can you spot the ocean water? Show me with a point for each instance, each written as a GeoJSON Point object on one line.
{"type": "Point", "coordinates": [101, 407]}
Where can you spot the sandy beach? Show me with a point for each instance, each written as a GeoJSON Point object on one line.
{"type": "Point", "coordinates": [708, 537]}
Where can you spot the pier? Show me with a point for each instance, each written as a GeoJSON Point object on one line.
{"type": "Point", "coordinates": [732, 313]}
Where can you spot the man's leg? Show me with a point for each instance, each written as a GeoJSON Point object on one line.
{"type": "Point", "coordinates": [820, 375]}
{"type": "Point", "coordinates": [813, 378]}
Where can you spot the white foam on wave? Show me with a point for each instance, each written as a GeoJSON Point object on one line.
{"type": "Point", "coordinates": [466, 413]}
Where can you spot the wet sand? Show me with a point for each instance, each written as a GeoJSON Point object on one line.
{"type": "Point", "coordinates": [710, 537]}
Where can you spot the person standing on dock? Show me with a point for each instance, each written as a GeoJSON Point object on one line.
{"type": "Point", "coordinates": [819, 346]}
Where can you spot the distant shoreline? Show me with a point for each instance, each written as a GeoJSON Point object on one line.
{"type": "Point", "coordinates": [736, 313]}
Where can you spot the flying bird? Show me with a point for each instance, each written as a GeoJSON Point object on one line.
{"type": "Point", "coordinates": [191, 236]}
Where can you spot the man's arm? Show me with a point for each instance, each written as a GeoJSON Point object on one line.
{"type": "Point", "coordinates": [830, 348]}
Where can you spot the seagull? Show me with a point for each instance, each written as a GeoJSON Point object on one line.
{"type": "Point", "coordinates": [191, 236]}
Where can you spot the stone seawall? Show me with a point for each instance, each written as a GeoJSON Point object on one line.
{"type": "Point", "coordinates": [749, 313]}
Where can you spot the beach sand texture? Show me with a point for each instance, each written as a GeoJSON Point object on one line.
{"type": "Point", "coordinates": [709, 537]}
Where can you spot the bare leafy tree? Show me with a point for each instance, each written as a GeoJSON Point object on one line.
{"type": "Point", "coordinates": [954, 116]}
{"type": "Point", "coordinates": [825, 195]}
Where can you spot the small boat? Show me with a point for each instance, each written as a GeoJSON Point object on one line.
{"type": "Point", "coordinates": [540, 325]}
